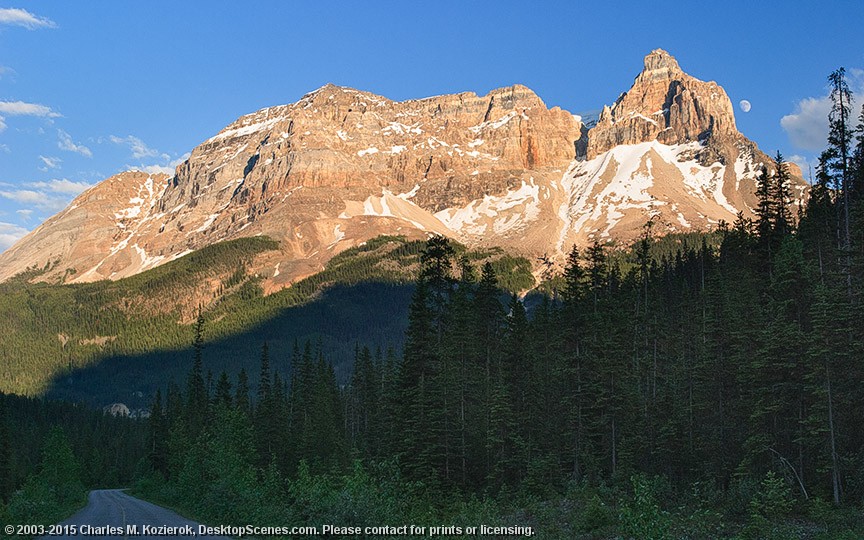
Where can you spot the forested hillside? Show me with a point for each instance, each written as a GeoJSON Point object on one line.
{"type": "Point", "coordinates": [52, 452]}
{"type": "Point", "coordinates": [699, 386]}
{"type": "Point", "coordinates": [714, 393]}
{"type": "Point", "coordinates": [68, 340]}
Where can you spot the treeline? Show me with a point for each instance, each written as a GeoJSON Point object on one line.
{"type": "Point", "coordinates": [710, 393]}
{"type": "Point", "coordinates": [51, 452]}
{"type": "Point", "coordinates": [132, 330]}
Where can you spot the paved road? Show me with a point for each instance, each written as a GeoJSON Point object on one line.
{"type": "Point", "coordinates": [113, 508]}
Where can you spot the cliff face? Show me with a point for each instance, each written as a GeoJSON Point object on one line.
{"type": "Point", "coordinates": [341, 166]}
{"type": "Point", "coordinates": [664, 104]}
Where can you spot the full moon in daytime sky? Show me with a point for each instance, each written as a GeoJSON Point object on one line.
{"type": "Point", "coordinates": [745, 105]}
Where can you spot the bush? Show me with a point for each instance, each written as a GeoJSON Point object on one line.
{"type": "Point", "coordinates": [769, 506]}
{"type": "Point", "coordinates": [56, 491]}
{"type": "Point", "coordinates": [642, 518]}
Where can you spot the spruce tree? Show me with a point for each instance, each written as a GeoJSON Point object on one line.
{"type": "Point", "coordinates": [265, 412]}
{"type": "Point", "coordinates": [197, 398]}
{"type": "Point", "coordinates": [6, 481]}
{"type": "Point", "coordinates": [839, 146]}
{"type": "Point", "coordinates": [159, 433]}
{"type": "Point", "coordinates": [782, 198]}
{"type": "Point", "coordinates": [222, 395]}
{"type": "Point", "coordinates": [241, 395]}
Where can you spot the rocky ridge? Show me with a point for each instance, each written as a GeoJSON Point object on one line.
{"type": "Point", "coordinates": [341, 166]}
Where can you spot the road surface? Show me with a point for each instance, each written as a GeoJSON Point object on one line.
{"type": "Point", "coordinates": [111, 508]}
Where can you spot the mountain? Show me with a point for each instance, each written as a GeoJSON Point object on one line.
{"type": "Point", "coordinates": [341, 166]}
{"type": "Point", "coordinates": [118, 340]}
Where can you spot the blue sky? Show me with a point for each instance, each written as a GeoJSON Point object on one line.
{"type": "Point", "coordinates": [88, 88]}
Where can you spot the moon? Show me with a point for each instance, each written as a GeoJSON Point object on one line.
{"type": "Point", "coordinates": [745, 105]}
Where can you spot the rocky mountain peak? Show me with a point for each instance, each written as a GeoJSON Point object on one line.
{"type": "Point", "coordinates": [659, 64]}
{"type": "Point", "coordinates": [667, 105]}
{"type": "Point", "coordinates": [340, 166]}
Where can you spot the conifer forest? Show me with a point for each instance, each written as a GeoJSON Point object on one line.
{"type": "Point", "coordinates": [686, 387]}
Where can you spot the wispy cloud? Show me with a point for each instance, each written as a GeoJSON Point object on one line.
{"type": "Point", "coordinates": [25, 19]}
{"type": "Point", "coordinates": [9, 234]}
{"type": "Point", "coordinates": [138, 147]}
{"type": "Point", "coordinates": [807, 125]}
{"type": "Point", "coordinates": [167, 168]}
{"type": "Point", "coordinates": [45, 196]}
{"type": "Point", "coordinates": [41, 200]}
{"type": "Point", "coordinates": [21, 108]}
{"type": "Point", "coordinates": [807, 166]}
{"type": "Point", "coordinates": [50, 163]}
{"type": "Point", "coordinates": [65, 142]}
{"type": "Point", "coordinates": [62, 185]}
{"type": "Point", "coordinates": [24, 196]}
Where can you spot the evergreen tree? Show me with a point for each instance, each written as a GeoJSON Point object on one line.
{"type": "Point", "coordinates": [426, 408]}
{"type": "Point", "coordinates": [241, 395]}
{"type": "Point", "coordinates": [197, 398]}
{"type": "Point", "coordinates": [765, 209]}
{"type": "Point", "coordinates": [782, 197]}
{"type": "Point", "coordinates": [484, 396]}
{"type": "Point", "coordinates": [60, 469]}
{"type": "Point", "coordinates": [839, 145]}
{"type": "Point", "coordinates": [264, 384]}
{"type": "Point", "coordinates": [6, 481]}
{"type": "Point", "coordinates": [178, 431]}
{"type": "Point", "coordinates": [266, 413]}
{"type": "Point", "coordinates": [159, 433]}
{"type": "Point", "coordinates": [364, 402]}
{"type": "Point", "coordinates": [222, 395]}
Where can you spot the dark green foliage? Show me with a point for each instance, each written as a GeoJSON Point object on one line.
{"type": "Point", "coordinates": [692, 386]}
{"type": "Point", "coordinates": [55, 329]}
{"type": "Point", "coordinates": [69, 339]}
{"type": "Point", "coordinates": [6, 483]}
{"type": "Point", "coordinates": [58, 450]}
{"type": "Point", "coordinates": [644, 398]}
{"type": "Point", "coordinates": [55, 490]}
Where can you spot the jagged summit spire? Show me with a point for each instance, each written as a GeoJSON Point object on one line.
{"type": "Point", "coordinates": [664, 104]}
{"type": "Point", "coordinates": [659, 64]}
{"type": "Point", "coordinates": [658, 58]}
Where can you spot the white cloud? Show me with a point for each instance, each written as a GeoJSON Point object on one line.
{"type": "Point", "coordinates": [62, 185]}
{"type": "Point", "coordinates": [36, 199]}
{"type": "Point", "coordinates": [156, 169]}
{"type": "Point", "coordinates": [180, 159]}
{"type": "Point", "coordinates": [9, 234]}
{"type": "Point", "coordinates": [23, 18]}
{"type": "Point", "coordinates": [138, 147]}
{"type": "Point", "coordinates": [167, 168]}
{"type": "Point", "coordinates": [807, 166]}
{"type": "Point", "coordinates": [66, 143]}
{"type": "Point", "coordinates": [50, 163]}
{"type": "Point", "coordinates": [51, 196]}
{"type": "Point", "coordinates": [3, 147]}
{"type": "Point", "coordinates": [24, 196]}
{"type": "Point", "coordinates": [807, 126]}
{"type": "Point", "coordinates": [21, 108]}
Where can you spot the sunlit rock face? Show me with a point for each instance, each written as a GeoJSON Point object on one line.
{"type": "Point", "coordinates": [341, 166]}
